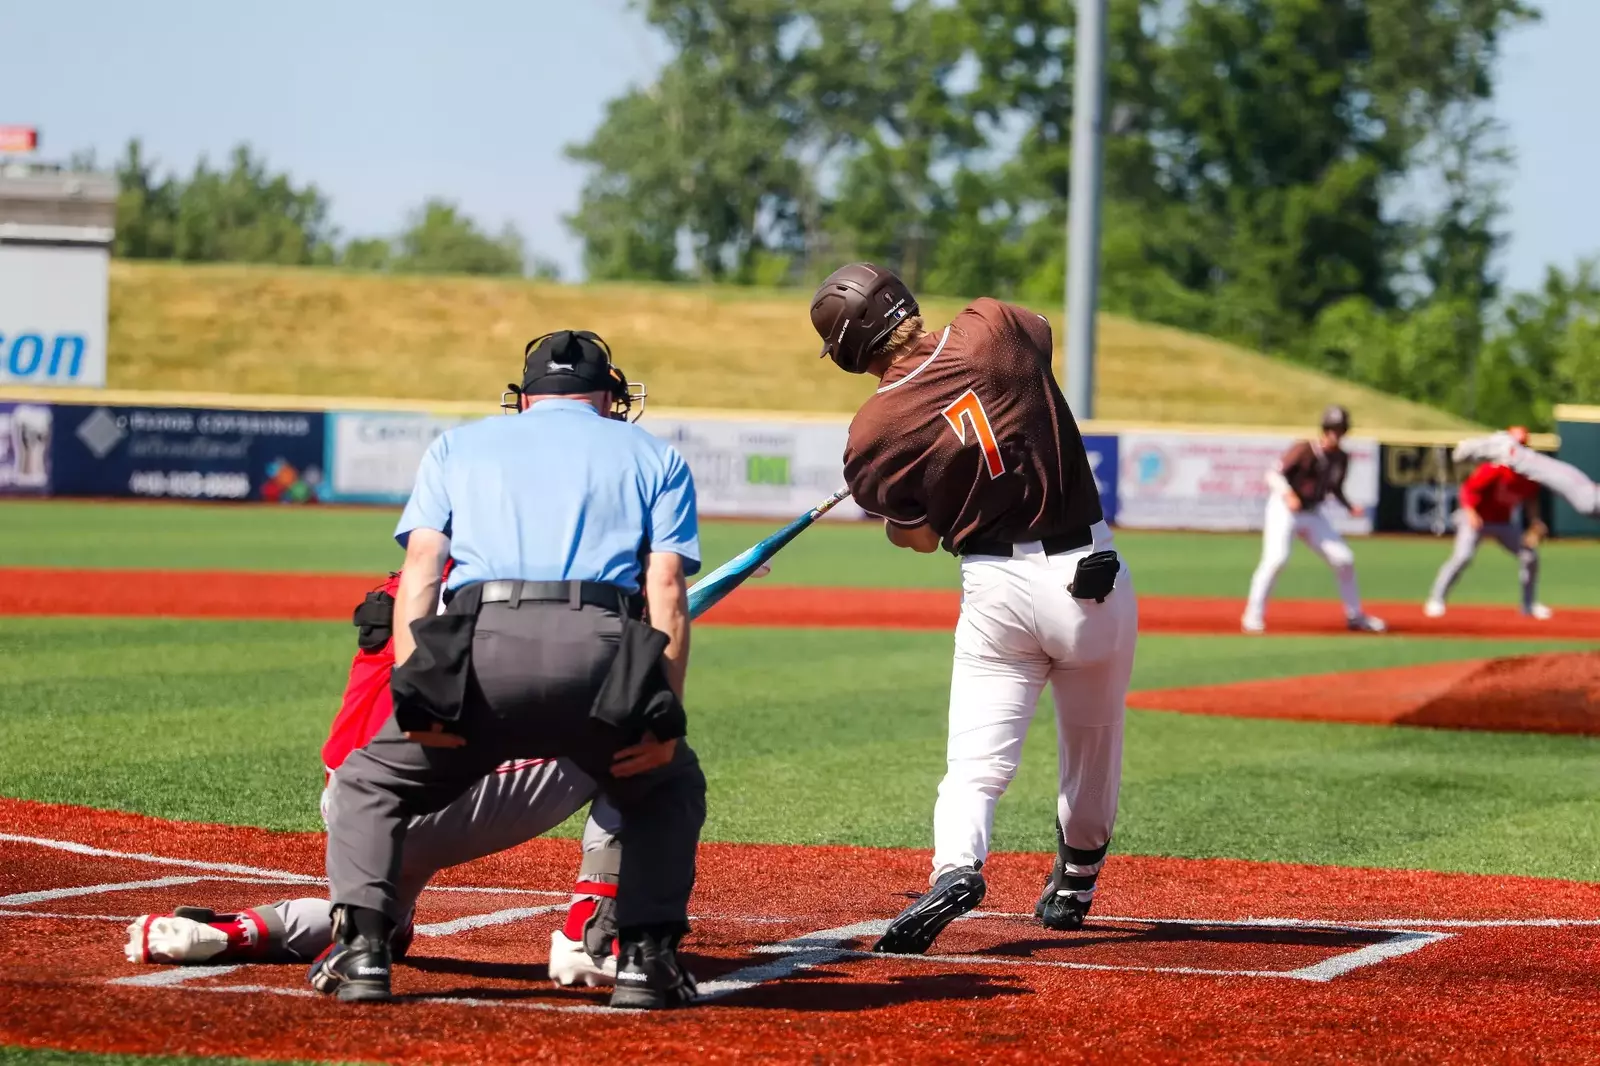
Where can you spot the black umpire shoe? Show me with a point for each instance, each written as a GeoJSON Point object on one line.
{"type": "Point", "coordinates": [955, 893]}
{"type": "Point", "coordinates": [355, 967]}
{"type": "Point", "coordinates": [649, 975]}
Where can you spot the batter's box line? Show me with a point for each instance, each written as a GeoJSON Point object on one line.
{"type": "Point", "coordinates": [261, 874]}
{"type": "Point", "coordinates": [827, 946]}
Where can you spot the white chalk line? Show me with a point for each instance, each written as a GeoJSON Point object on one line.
{"type": "Point", "coordinates": [483, 921]}
{"type": "Point", "coordinates": [797, 954]}
{"type": "Point", "coordinates": [257, 874]}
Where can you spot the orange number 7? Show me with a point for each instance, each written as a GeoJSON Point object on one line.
{"type": "Point", "coordinates": [968, 408]}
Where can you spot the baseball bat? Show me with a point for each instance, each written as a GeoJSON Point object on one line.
{"type": "Point", "coordinates": [709, 590]}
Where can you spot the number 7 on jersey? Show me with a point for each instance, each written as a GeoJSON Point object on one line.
{"type": "Point", "coordinates": [968, 409]}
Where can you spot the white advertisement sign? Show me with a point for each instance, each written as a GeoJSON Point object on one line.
{"type": "Point", "coordinates": [53, 315]}
{"type": "Point", "coordinates": [760, 469]}
{"type": "Point", "coordinates": [744, 469]}
{"type": "Point", "coordinates": [373, 456]}
{"type": "Point", "coordinates": [1209, 481]}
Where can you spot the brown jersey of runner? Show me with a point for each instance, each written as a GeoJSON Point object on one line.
{"type": "Point", "coordinates": [970, 435]}
{"type": "Point", "coordinates": [1314, 472]}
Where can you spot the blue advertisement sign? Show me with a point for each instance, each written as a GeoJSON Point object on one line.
{"type": "Point", "coordinates": [1102, 452]}
{"type": "Point", "coordinates": [187, 453]}
{"type": "Point", "coordinates": [24, 449]}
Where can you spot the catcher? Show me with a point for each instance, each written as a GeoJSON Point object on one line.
{"type": "Point", "coordinates": [1490, 498]}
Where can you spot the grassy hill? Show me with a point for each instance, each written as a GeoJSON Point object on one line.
{"type": "Point", "coordinates": [328, 333]}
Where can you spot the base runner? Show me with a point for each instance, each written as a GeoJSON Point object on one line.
{"type": "Point", "coordinates": [968, 444]}
{"type": "Point", "coordinates": [1490, 498]}
{"type": "Point", "coordinates": [1577, 487]}
{"type": "Point", "coordinates": [1309, 472]}
{"type": "Point", "coordinates": [519, 801]}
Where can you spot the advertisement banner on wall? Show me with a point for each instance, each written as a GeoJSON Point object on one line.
{"type": "Point", "coordinates": [53, 315]}
{"type": "Point", "coordinates": [187, 453]}
{"type": "Point", "coordinates": [1213, 481]}
{"type": "Point", "coordinates": [24, 449]}
{"type": "Point", "coordinates": [760, 469]}
{"type": "Point", "coordinates": [372, 456]}
{"type": "Point", "coordinates": [1419, 488]}
{"type": "Point", "coordinates": [1102, 452]}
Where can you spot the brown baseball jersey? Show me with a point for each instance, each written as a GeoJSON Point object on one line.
{"type": "Point", "coordinates": [1314, 473]}
{"type": "Point", "coordinates": [970, 435]}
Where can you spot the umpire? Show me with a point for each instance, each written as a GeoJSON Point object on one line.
{"type": "Point", "coordinates": [567, 528]}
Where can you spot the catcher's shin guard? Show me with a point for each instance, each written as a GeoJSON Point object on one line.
{"type": "Point", "coordinates": [1069, 890]}
{"type": "Point", "coordinates": [199, 934]}
{"type": "Point", "coordinates": [584, 950]}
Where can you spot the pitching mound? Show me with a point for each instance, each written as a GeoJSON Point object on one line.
{"type": "Point", "coordinates": [1205, 961]}
{"type": "Point", "coordinates": [1524, 694]}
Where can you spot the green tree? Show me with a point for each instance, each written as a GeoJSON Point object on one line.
{"type": "Point", "coordinates": [440, 239]}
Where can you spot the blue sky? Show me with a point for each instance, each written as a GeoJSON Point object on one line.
{"type": "Point", "coordinates": [386, 102]}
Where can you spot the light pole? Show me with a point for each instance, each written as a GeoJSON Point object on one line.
{"type": "Point", "coordinates": [1083, 209]}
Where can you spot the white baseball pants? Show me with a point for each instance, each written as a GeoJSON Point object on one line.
{"type": "Point", "coordinates": [1564, 478]}
{"type": "Point", "coordinates": [1277, 537]}
{"type": "Point", "coordinates": [1020, 629]}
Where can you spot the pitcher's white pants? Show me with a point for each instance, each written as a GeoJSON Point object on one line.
{"type": "Point", "coordinates": [1277, 537]}
{"type": "Point", "coordinates": [1019, 629]}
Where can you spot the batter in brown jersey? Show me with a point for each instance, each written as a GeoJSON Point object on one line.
{"type": "Point", "coordinates": [969, 435]}
{"type": "Point", "coordinates": [969, 443]}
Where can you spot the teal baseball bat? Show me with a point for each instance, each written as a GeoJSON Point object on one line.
{"type": "Point", "coordinates": [709, 590]}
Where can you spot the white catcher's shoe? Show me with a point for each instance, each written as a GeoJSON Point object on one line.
{"type": "Point", "coordinates": [571, 965]}
{"type": "Point", "coordinates": [1433, 608]}
{"type": "Point", "coordinates": [1252, 624]}
{"type": "Point", "coordinates": [1540, 612]}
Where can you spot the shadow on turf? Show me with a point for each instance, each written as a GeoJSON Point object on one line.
{"type": "Point", "coordinates": [798, 993]}
{"type": "Point", "coordinates": [1100, 933]}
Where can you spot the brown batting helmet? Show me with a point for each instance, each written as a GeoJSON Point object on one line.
{"type": "Point", "coordinates": [1336, 417]}
{"type": "Point", "coordinates": [856, 309]}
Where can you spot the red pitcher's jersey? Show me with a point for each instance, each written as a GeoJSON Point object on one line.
{"type": "Point", "coordinates": [1495, 491]}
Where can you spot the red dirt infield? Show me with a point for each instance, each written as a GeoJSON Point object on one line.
{"type": "Point", "coordinates": [1198, 961]}
{"type": "Point", "coordinates": [1528, 694]}
{"type": "Point", "coordinates": [238, 595]}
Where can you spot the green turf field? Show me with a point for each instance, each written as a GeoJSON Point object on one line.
{"type": "Point", "coordinates": [818, 736]}
{"type": "Point", "coordinates": [808, 736]}
{"type": "Point", "coordinates": [178, 536]}
{"type": "Point", "coordinates": [18, 1056]}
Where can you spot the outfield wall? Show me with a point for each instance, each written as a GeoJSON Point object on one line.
{"type": "Point", "coordinates": [303, 450]}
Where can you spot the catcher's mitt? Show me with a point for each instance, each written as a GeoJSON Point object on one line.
{"type": "Point", "coordinates": [1535, 534]}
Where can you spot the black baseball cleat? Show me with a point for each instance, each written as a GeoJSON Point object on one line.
{"type": "Point", "coordinates": [649, 975]}
{"type": "Point", "coordinates": [913, 931]}
{"type": "Point", "coordinates": [1067, 897]}
{"type": "Point", "coordinates": [355, 967]}
{"type": "Point", "coordinates": [1061, 909]}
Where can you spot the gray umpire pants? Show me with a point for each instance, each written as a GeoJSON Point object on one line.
{"type": "Point", "coordinates": [537, 668]}
{"type": "Point", "coordinates": [1467, 540]}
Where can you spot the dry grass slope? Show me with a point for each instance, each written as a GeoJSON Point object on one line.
{"type": "Point", "coordinates": [315, 332]}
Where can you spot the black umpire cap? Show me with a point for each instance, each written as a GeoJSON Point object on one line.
{"type": "Point", "coordinates": [566, 363]}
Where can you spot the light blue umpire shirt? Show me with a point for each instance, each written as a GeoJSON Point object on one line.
{"type": "Point", "coordinates": [558, 492]}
